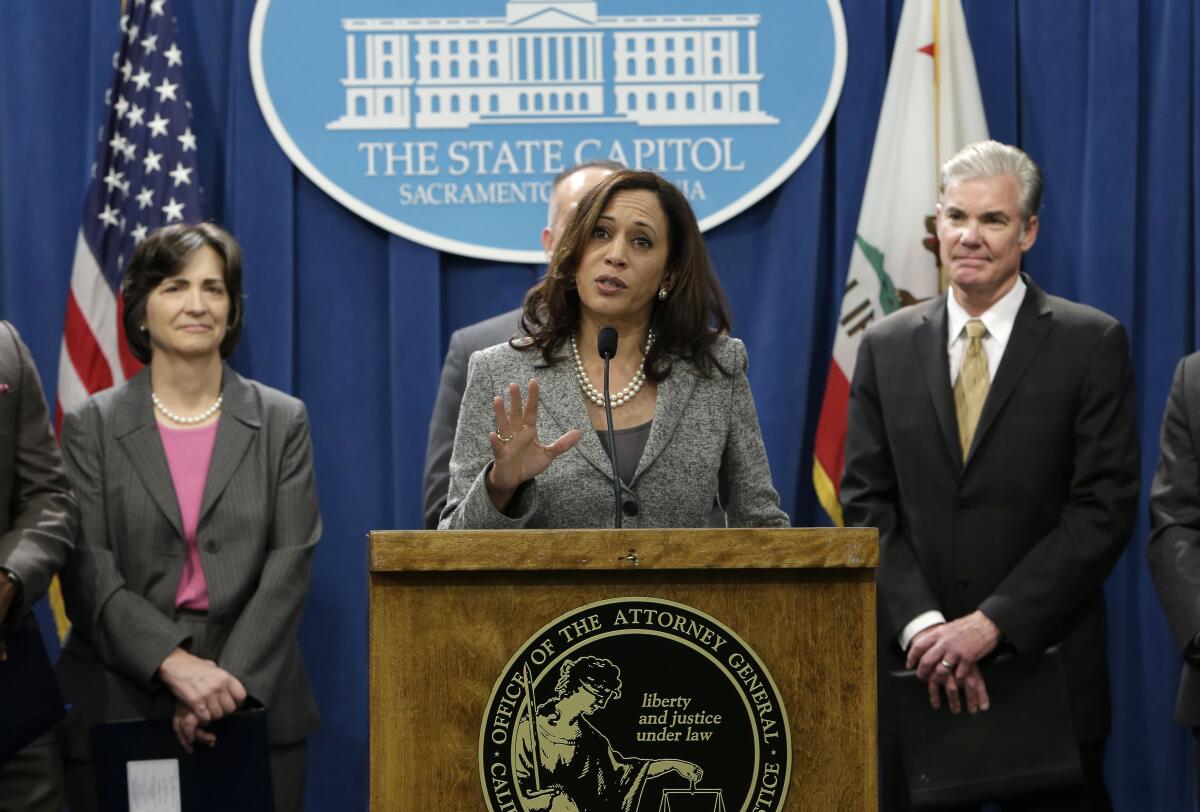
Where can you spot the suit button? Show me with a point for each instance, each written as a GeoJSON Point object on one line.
{"type": "Point", "coordinates": [630, 507]}
{"type": "Point", "coordinates": [210, 545]}
{"type": "Point", "coordinates": [960, 584]}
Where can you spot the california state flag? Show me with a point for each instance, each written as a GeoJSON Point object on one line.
{"type": "Point", "coordinates": [931, 109]}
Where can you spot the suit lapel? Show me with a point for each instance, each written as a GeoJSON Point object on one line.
{"type": "Point", "coordinates": [669, 408]}
{"type": "Point", "coordinates": [931, 340]}
{"type": "Point", "coordinates": [1029, 331]}
{"type": "Point", "coordinates": [137, 432]}
{"type": "Point", "coordinates": [562, 401]}
{"type": "Point", "coordinates": [240, 422]}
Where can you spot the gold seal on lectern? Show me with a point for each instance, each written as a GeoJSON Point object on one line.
{"type": "Point", "coordinates": [635, 705]}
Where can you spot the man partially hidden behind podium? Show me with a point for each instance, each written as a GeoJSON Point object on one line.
{"type": "Point", "coordinates": [992, 441]}
{"type": "Point", "coordinates": [569, 188]}
{"type": "Point", "coordinates": [38, 519]}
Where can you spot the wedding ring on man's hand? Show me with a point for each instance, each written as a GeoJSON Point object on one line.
{"type": "Point", "coordinates": [504, 439]}
{"type": "Point", "coordinates": [949, 666]}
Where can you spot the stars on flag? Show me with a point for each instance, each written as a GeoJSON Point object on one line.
{"type": "Point", "coordinates": [147, 175]}
{"type": "Point", "coordinates": [152, 162]}
{"type": "Point", "coordinates": [109, 216]}
{"type": "Point", "coordinates": [166, 90]}
{"type": "Point", "coordinates": [181, 174]}
{"type": "Point", "coordinates": [158, 125]}
{"type": "Point", "coordinates": [114, 179]}
{"type": "Point", "coordinates": [173, 210]}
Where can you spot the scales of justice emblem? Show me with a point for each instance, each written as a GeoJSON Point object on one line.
{"type": "Point", "coordinates": [635, 705]}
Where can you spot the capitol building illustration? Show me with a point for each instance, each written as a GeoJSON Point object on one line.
{"type": "Point", "coordinates": [551, 61]}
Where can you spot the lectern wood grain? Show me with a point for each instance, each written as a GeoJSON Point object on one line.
{"type": "Point", "coordinates": [449, 610]}
{"type": "Point", "coordinates": [475, 550]}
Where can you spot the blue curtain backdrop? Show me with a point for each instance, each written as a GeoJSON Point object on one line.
{"type": "Point", "coordinates": [355, 321]}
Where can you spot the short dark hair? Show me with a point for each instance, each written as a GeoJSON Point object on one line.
{"type": "Point", "coordinates": [163, 254]}
{"type": "Point", "coordinates": [686, 324]}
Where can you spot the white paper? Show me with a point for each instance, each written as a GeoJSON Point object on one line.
{"type": "Point", "coordinates": [153, 785]}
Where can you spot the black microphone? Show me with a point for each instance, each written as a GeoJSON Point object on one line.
{"type": "Point", "coordinates": [606, 345]}
{"type": "Point", "coordinates": [606, 342]}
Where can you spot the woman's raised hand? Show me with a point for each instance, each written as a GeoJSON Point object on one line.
{"type": "Point", "coordinates": [519, 455]}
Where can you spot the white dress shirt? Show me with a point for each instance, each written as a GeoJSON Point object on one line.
{"type": "Point", "coordinates": [999, 320]}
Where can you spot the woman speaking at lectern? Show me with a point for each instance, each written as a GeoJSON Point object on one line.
{"type": "Point", "coordinates": [198, 517]}
{"type": "Point", "coordinates": [686, 430]}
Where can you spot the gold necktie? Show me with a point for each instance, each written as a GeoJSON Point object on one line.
{"type": "Point", "coordinates": [971, 388]}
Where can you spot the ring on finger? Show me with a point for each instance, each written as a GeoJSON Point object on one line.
{"type": "Point", "coordinates": [504, 439]}
{"type": "Point", "coordinates": [946, 664]}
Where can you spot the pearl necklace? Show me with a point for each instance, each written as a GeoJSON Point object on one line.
{"type": "Point", "coordinates": [200, 418]}
{"type": "Point", "coordinates": [620, 398]}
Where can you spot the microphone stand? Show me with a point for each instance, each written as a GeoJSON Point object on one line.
{"type": "Point", "coordinates": [612, 449]}
{"type": "Point", "coordinates": [606, 348]}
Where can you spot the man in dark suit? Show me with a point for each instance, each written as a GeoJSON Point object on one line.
{"type": "Point", "coordinates": [38, 518]}
{"type": "Point", "coordinates": [1175, 541]}
{"type": "Point", "coordinates": [569, 187]}
{"type": "Point", "coordinates": [992, 441]}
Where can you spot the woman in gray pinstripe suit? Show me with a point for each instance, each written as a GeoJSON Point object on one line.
{"type": "Point", "coordinates": [686, 429]}
{"type": "Point", "coordinates": [199, 516]}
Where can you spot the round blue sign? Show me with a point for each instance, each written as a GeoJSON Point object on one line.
{"type": "Point", "coordinates": [449, 130]}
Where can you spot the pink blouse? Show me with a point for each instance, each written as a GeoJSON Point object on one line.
{"type": "Point", "coordinates": [189, 452]}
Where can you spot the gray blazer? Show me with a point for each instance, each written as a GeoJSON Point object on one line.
{"type": "Point", "coordinates": [444, 420]}
{"type": "Point", "coordinates": [38, 516]}
{"type": "Point", "coordinates": [705, 441]}
{"type": "Point", "coordinates": [258, 525]}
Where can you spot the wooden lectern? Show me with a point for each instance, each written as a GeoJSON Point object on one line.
{"type": "Point", "coordinates": [449, 609]}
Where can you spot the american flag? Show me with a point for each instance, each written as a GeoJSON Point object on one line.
{"type": "Point", "coordinates": [145, 176]}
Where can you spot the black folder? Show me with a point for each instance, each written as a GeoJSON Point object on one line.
{"type": "Point", "coordinates": [27, 674]}
{"type": "Point", "coordinates": [1025, 742]}
{"type": "Point", "coordinates": [235, 773]}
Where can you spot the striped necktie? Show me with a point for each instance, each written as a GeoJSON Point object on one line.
{"type": "Point", "coordinates": [971, 388]}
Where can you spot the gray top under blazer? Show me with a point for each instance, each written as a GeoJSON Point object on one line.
{"type": "Point", "coordinates": [705, 441]}
{"type": "Point", "coordinates": [259, 523]}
